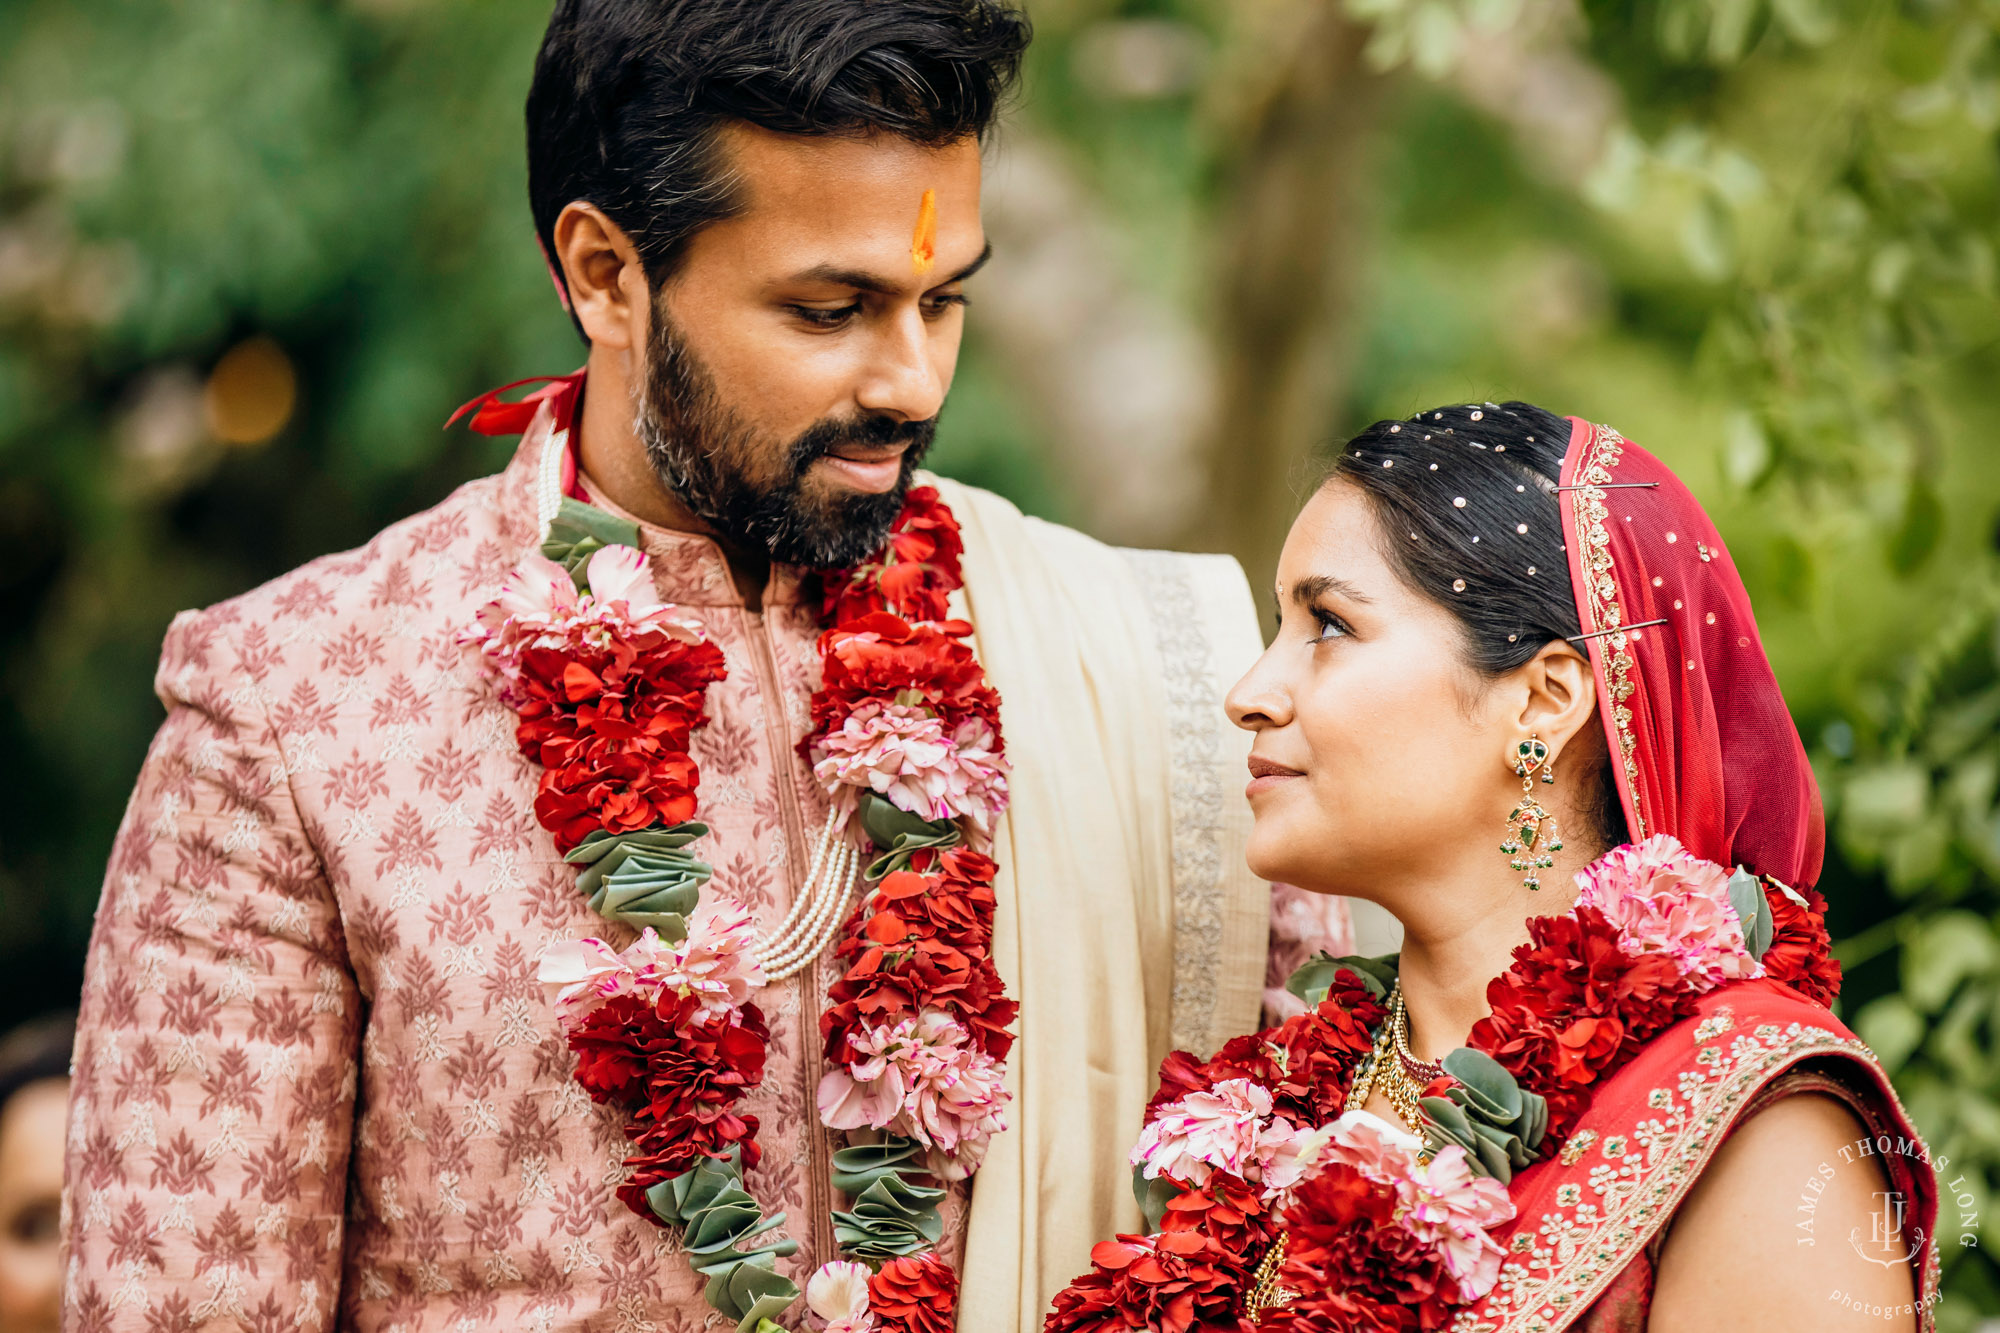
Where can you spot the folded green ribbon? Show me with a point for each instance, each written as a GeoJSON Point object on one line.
{"type": "Point", "coordinates": [643, 879]}
{"type": "Point", "coordinates": [716, 1215]}
{"type": "Point", "coordinates": [1499, 1123]}
{"type": "Point", "coordinates": [892, 1215]}
{"type": "Point", "coordinates": [900, 835]}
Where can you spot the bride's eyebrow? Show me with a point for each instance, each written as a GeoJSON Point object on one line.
{"type": "Point", "coordinates": [1315, 586]}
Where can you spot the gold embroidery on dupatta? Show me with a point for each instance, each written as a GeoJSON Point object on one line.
{"type": "Point", "coordinates": [1601, 595]}
{"type": "Point", "coordinates": [1557, 1265]}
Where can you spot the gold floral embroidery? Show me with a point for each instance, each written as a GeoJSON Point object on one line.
{"type": "Point", "coordinates": [1601, 596]}
{"type": "Point", "coordinates": [1579, 1144]}
{"type": "Point", "coordinates": [1562, 1262]}
{"type": "Point", "coordinates": [1720, 1022]}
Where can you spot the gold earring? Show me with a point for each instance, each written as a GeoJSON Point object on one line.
{"type": "Point", "coordinates": [1531, 830]}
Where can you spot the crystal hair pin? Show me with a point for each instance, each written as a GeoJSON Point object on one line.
{"type": "Point", "coordinates": [1619, 629]}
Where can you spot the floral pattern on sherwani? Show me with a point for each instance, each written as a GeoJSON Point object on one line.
{"type": "Point", "coordinates": [316, 1081]}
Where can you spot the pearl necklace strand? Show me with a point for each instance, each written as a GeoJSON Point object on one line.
{"type": "Point", "coordinates": [819, 907]}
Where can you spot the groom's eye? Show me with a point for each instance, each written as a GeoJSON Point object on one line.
{"type": "Point", "coordinates": [825, 319]}
{"type": "Point", "coordinates": [940, 303]}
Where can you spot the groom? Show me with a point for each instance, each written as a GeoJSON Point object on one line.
{"type": "Point", "coordinates": [316, 1080]}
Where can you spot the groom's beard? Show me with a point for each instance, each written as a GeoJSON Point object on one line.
{"type": "Point", "coordinates": [707, 455]}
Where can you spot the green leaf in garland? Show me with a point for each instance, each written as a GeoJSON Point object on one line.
{"type": "Point", "coordinates": [884, 821]}
{"type": "Point", "coordinates": [1753, 909]}
{"type": "Point", "coordinates": [905, 847]}
{"type": "Point", "coordinates": [892, 1214]}
{"type": "Point", "coordinates": [1153, 1195]}
{"type": "Point", "coordinates": [579, 531]}
{"type": "Point", "coordinates": [643, 879]}
{"type": "Point", "coordinates": [716, 1215]}
{"type": "Point", "coordinates": [1315, 977]}
{"type": "Point", "coordinates": [1499, 1123]}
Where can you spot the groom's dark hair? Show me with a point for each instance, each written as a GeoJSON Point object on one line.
{"type": "Point", "coordinates": [629, 96]}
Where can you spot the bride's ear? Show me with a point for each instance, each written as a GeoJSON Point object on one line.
{"type": "Point", "coordinates": [1557, 691]}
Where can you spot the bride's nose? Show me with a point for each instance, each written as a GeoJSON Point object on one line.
{"type": "Point", "coordinates": [1259, 700]}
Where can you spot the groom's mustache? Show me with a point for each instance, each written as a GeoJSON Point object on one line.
{"type": "Point", "coordinates": [826, 438]}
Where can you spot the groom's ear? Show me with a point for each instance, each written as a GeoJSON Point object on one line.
{"type": "Point", "coordinates": [1557, 693]}
{"type": "Point", "coordinates": [607, 283]}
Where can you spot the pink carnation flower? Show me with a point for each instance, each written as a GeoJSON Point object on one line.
{"type": "Point", "coordinates": [838, 1293]}
{"type": "Point", "coordinates": [539, 607]}
{"type": "Point", "coordinates": [583, 974]}
{"type": "Point", "coordinates": [1442, 1203]}
{"type": "Point", "coordinates": [1383, 1152]}
{"type": "Point", "coordinates": [1448, 1207]}
{"type": "Point", "coordinates": [901, 752]}
{"type": "Point", "coordinates": [923, 1078]}
{"type": "Point", "coordinates": [717, 961]}
{"type": "Point", "coordinates": [1662, 898]}
{"type": "Point", "coordinates": [1228, 1128]}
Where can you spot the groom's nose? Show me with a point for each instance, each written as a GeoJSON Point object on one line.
{"type": "Point", "coordinates": [909, 368]}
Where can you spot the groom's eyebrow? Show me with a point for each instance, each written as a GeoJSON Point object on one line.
{"type": "Point", "coordinates": [864, 281]}
{"type": "Point", "coordinates": [1315, 586]}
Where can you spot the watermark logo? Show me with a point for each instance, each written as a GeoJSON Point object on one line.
{"type": "Point", "coordinates": [1888, 1244]}
{"type": "Point", "coordinates": [1891, 1237]}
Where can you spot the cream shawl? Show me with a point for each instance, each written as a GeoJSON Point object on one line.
{"type": "Point", "coordinates": [1128, 924]}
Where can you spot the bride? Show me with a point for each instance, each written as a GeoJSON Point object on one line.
{"type": "Point", "coordinates": [1517, 698]}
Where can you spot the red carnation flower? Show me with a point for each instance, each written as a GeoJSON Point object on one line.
{"type": "Point", "coordinates": [1179, 1282]}
{"type": "Point", "coordinates": [884, 984]}
{"type": "Point", "coordinates": [1799, 955]}
{"type": "Point", "coordinates": [1227, 1210]}
{"type": "Point", "coordinates": [954, 909]}
{"type": "Point", "coordinates": [916, 1293]}
{"type": "Point", "coordinates": [1307, 1061]}
{"type": "Point", "coordinates": [1338, 1312]}
{"type": "Point", "coordinates": [882, 657]}
{"type": "Point", "coordinates": [1574, 1005]}
{"type": "Point", "coordinates": [610, 728]}
{"type": "Point", "coordinates": [913, 576]}
{"type": "Point", "coordinates": [1240, 1057]}
{"type": "Point", "coordinates": [677, 1145]}
{"type": "Point", "coordinates": [612, 1044]}
{"type": "Point", "coordinates": [707, 1062]}
{"type": "Point", "coordinates": [1344, 1238]}
{"type": "Point", "coordinates": [1315, 1053]}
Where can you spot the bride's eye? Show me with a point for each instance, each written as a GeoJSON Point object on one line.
{"type": "Point", "coordinates": [1331, 626]}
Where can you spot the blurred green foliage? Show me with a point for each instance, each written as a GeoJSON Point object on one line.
{"type": "Point", "coordinates": [1771, 263]}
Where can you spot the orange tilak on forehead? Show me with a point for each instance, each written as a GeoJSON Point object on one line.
{"type": "Point", "coordinates": [923, 242]}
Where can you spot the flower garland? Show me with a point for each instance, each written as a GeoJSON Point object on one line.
{"type": "Point", "coordinates": [608, 684]}
{"type": "Point", "coordinates": [1274, 1206]}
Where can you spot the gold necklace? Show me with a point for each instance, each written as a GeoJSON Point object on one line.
{"type": "Point", "coordinates": [1384, 1066]}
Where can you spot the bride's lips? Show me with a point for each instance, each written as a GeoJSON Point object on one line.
{"type": "Point", "coordinates": [867, 468]}
{"type": "Point", "coordinates": [1265, 775]}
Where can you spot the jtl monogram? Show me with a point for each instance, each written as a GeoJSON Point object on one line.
{"type": "Point", "coordinates": [1888, 1245]}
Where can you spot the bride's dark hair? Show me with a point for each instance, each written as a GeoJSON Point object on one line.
{"type": "Point", "coordinates": [1465, 498]}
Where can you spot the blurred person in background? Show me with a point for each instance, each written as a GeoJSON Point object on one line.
{"type": "Point", "coordinates": [400, 790]}
{"type": "Point", "coordinates": [34, 1098]}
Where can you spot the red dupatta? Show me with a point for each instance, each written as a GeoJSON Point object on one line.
{"type": "Point", "coordinates": [1704, 749]}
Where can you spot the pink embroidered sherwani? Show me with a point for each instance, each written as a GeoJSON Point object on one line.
{"type": "Point", "coordinates": [316, 1081]}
